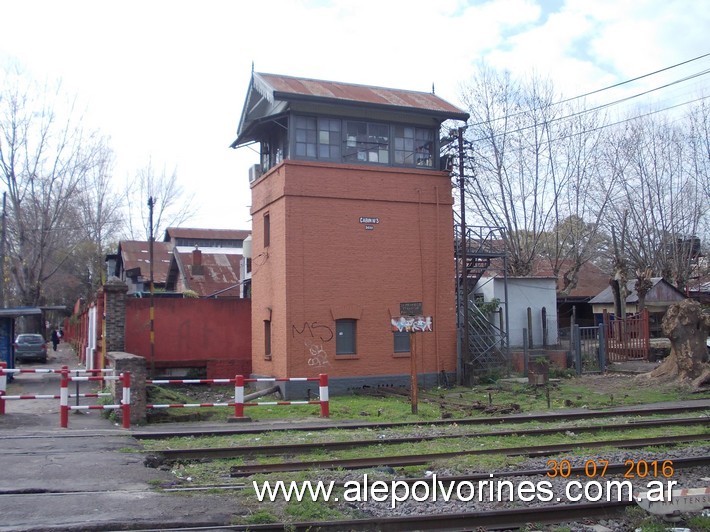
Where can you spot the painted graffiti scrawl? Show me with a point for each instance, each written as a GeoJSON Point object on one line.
{"type": "Point", "coordinates": [412, 323]}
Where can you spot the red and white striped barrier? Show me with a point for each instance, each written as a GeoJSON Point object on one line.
{"type": "Point", "coordinates": [54, 370]}
{"type": "Point", "coordinates": [188, 405]}
{"type": "Point", "coordinates": [56, 396]}
{"type": "Point", "coordinates": [239, 403]}
{"type": "Point", "coordinates": [124, 406]}
{"type": "Point", "coordinates": [323, 400]}
{"type": "Point", "coordinates": [190, 381]}
{"type": "Point", "coordinates": [4, 371]}
{"type": "Point", "coordinates": [3, 387]}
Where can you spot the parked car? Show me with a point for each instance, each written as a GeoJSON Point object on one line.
{"type": "Point", "coordinates": [30, 347]}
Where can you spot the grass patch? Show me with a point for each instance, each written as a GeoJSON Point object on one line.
{"type": "Point", "coordinates": [260, 517]}
{"type": "Point", "coordinates": [594, 392]}
{"type": "Point", "coordinates": [308, 510]}
{"type": "Point", "coordinates": [699, 523]}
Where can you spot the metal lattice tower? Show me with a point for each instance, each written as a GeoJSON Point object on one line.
{"type": "Point", "coordinates": [484, 343]}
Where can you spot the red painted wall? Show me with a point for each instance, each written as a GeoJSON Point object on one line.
{"type": "Point", "coordinates": [211, 333]}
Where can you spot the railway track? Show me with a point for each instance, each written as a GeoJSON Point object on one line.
{"type": "Point", "coordinates": [422, 459]}
{"type": "Point", "coordinates": [296, 448]}
{"type": "Point", "coordinates": [701, 406]}
{"type": "Point", "coordinates": [573, 472]}
{"type": "Point", "coordinates": [487, 517]}
{"type": "Point", "coordinates": [491, 520]}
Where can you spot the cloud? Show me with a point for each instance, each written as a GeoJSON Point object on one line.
{"type": "Point", "coordinates": [167, 79]}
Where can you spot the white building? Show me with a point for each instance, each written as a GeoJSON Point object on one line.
{"type": "Point", "coordinates": [534, 293]}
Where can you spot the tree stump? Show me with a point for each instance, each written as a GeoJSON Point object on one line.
{"type": "Point", "coordinates": [686, 324]}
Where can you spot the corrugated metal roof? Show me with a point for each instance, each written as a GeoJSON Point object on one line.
{"type": "Point", "coordinates": [220, 271]}
{"type": "Point", "coordinates": [136, 254]}
{"type": "Point", "coordinates": [211, 234]}
{"type": "Point", "coordinates": [284, 86]}
{"type": "Point", "coordinates": [269, 95]}
{"type": "Point", "coordinates": [661, 291]}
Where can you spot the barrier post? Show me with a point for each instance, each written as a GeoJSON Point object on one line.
{"type": "Point", "coordinates": [64, 398]}
{"type": "Point", "coordinates": [323, 392]}
{"type": "Point", "coordinates": [126, 400]}
{"type": "Point", "coordinates": [3, 387]}
{"type": "Point", "coordinates": [239, 396]}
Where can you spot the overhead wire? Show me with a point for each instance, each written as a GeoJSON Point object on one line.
{"type": "Point", "coordinates": [596, 108]}
{"type": "Point", "coordinates": [596, 91]}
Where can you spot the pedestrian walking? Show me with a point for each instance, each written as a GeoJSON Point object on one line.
{"type": "Point", "coordinates": [55, 339]}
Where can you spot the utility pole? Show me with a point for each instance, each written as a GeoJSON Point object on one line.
{"type": "Point", "coordinates": [151, 204]}
{"type": "Point", "coordinates": [2, 251]}
{"type": "Point", "coordinates": [465, 351]}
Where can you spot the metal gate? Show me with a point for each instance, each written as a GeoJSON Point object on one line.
{"type": "Point", "coordinates": [589, 349]}
{"type": "Point", "coordinates": [628, 339]}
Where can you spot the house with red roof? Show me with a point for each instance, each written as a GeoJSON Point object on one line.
{"type": "Point", "coordinates": [131, 264]}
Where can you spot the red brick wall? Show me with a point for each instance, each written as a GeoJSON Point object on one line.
{"type": "Point", "coordinates": [322, 264]}
{"type": "Point", "coordinates": [211, 333]}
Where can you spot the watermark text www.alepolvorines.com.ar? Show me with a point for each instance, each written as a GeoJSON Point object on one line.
{"type": "Point", "coordinates": [435, 490]}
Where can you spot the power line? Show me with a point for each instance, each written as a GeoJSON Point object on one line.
{"type": "Point", "coordinates": [633, 79]}
{"type": "Point", "coordinates": [599, 107]}
{"type": "Point", "coordinates": [596, 91]}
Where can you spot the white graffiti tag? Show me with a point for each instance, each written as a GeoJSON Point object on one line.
{"type": "Point", "coordinates": [318, 356]}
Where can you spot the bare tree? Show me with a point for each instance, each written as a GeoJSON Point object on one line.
{"type": "Point", "coordinates": [578, 233]}
{"type": "Point", "coordinates": [171, 207]}
{"type": "Point", "coordinates": [659, 199]}
{"type": "Point", "coordinates": [534, 163]}
{"type": "Point", "coordinates": [99, 210]}
{"type": "Point", "coordinates": [515, 184]}
{"type": "Point", "coordinates": [45, 155]}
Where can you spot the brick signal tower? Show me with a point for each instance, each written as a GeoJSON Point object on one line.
{"type": "Point", "coordinates": [352, 226]}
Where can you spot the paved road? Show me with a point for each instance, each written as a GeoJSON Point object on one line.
{"type": "Point", "coordinates": [86, 477]}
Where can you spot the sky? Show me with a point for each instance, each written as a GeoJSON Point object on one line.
{"type": "Point", "coordinates": [166, 80]}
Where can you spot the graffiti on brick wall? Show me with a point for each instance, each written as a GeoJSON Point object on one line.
{"type": "Point", "coordinates": [412, 323]}
{"type": "Point", "coordinates": [314, 336]}
{"type": "Point", "coordinates": [317, 355]}
{"type": "Point", "coordinates": [313, 330]}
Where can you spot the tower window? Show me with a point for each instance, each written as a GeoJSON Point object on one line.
{"type": "Point", "coordinates": [267, 339]}
{"type": "Point", "coordinates": [345, 333]}
{"type": "Point", "coordinates": [362, 142]}
{"type": "Point", "coordinates": [401, 342]}
{"type": "Point", "coordinates": [267, 230]}
{"type": "Point", "coordinates": [413, 146]}
{"type": "Point", "coordinates": [367, 142]}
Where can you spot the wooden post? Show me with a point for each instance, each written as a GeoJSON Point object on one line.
{"type": "Point", "coordinates": [530, 331]}
{"type": "Point", "coordinates": [544, 327]}
{"type": "Point", "coordinates": [413, 369]}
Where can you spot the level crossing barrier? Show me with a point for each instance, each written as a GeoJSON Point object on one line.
{"type": "Point", "coordinates": [124, 405]}
{"type": "Point", "coordinates": [239, 402]}
{"type": "Point", "coordinates": [323, 399]}
{"type": "Point", "coordinates": [100, 375]}
{"type": "Point", "coordinates": [4, 372]}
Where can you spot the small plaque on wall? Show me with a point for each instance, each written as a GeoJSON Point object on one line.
{"type": "Point", "coordinates": [413, 308]}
